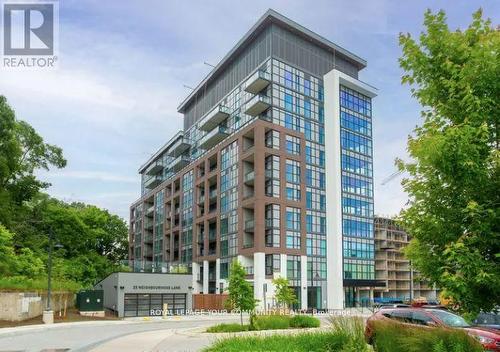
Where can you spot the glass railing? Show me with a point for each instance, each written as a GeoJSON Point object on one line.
{"type": "Point", "coordinates": [249, 224]}
{"type": "Point", "coordinates": [249, 176]}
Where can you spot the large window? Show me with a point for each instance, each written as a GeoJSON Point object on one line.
{"type": "Point", "coordinates": [292, 145]}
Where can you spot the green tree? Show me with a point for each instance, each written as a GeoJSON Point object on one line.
{"type": "Point", "coordinates": [22, 152]}
{"type": "Point", "coordinates": [7, 256]}
{"type": "Point", "coordinates": [240, 290]}
{"type": "Point", "coordinates": [284, 294]}
{"type": "Point", "coordinates": [453, 213]}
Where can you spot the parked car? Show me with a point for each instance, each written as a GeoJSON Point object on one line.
{"type": "Point", "coordinates": [489, 338]}
{"type": "Point", "coordinates": [396, 305]}
{"type": "Point", "coordinates": [488, 320]}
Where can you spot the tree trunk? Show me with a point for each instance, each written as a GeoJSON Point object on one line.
{"type": "Point", "coordinates": [241, 317]}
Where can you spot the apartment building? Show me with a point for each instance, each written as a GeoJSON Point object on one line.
{"type": "Point", "coordinates": [394, 269]}
{"type": "Point", "coordinates": [273, 168]}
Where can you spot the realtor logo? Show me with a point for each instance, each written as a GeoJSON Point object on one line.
{"type": "Point", "coordinates": [29, 34]}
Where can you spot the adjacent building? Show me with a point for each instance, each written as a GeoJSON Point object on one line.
{"type": "Point", "coordinates": [394, 269]}
{"type": "Point", "coordinates": [273, 168]}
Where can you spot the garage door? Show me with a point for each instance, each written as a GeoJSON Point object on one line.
{"type": "Point", "coordinates": [151, 304]}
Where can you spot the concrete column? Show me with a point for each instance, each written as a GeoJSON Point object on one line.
{"type": "Point", "coordinates": [259, 277]}
{"type": "Point", "coordinates": [303, 281]}
{"type": "Point", "coordinates": [205, 276]}
{"type": "Point", "coordinates": [196, 273]}
{"type": "Point", "coordinates": [283, 265]}
{"type": "Point", "coordinates": [217, 276]}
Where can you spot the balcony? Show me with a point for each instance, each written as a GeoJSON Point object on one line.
{"type": "Point", "coordinates": [148, 239]}
{"type": "Point", "coordinates": [248, 244]}
{"type": "Point", "coordinates": [201, 199]}
{"type": "Point", "coordinates": [153, 181]}
{"type": "Point", "coordinates": [179, 162]}
{"type": "Point", "coordinates": [214, 137]}
{"type": "Point", "coordinates": [150, 211]}
{"type": "Point", "coordinates": [257, 105]}
{"type": "Point", "coordinates": [179, 146]}
{"type": "Point", "coordinates": [249, 178]}
{"type": "Point", "coordinates": [148, 224]}
{"type": "Point", "coordinates": [257, 82]}
{"type": "Point", "coordinates": [214, 118]}
{"type": "Point", "coordinates": [212, 194]}
{"type": "Point", "coordinates": [154, 168]}
{"type": "Point", "coordinates": [212, 235]}
{"type": "Point", "coordinates": [249, 225]}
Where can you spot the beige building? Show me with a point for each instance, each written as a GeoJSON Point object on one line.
{"type": "Point", "coordinates": [392, 267]}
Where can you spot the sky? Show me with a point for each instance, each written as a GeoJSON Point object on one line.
{"type": "Point", "coordinates": [123, 64]}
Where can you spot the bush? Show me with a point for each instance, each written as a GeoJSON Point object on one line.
{"type": "Point", "coordinates": [319, 341]}
{"type": "Point", "coordinates": [351, 332]}
{"type": "Point", "coordinates": [228, 328]}
{"type": "Point", "coordinates": [392, 337]}
{"type": "Point", "coordinates": [272, 322]}
{"type": "Point", "coordinates": [304, 321]}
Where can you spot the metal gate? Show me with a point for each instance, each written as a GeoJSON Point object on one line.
{"type": "Point", "coordinates": [151, 304]}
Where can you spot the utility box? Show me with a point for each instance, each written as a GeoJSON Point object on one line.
{"type": "Point", "coordinates": [90, 303]}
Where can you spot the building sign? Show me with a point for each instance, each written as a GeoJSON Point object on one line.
{"type": "Point", "coordinates": [149, 287]}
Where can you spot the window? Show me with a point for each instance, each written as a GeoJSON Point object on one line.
{"type": "Point", "coordinates": [273, 139]}
{"type": "Point", "coordinates": [293, 267]}
{"type": "Point", "coordinates": [307, 108]}
{"type": "Point", "coordinates": [307, 87]}
{"type": "Point", "coordinates": [355, 143]}
{"type": "Point", "coordinates": [293, 240]}
{"type": "Point", "coordinates": [293, 218]}
{"type": "Point", "coordinates": [292, 145]}
{"type": "Point", "coordinates": [288, 102]}
{"type": "Point", "coordinates": [273, 263]}
{"type": "Point", "coordinates": [357, 207]}
{"type": "Point", "coordinates": [292, 171]}
{"type": "Point", "coordinates": [288, 79]}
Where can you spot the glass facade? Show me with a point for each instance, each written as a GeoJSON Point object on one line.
{"type": "Point", "coordinates": [357, 185]}
{"type": "Point", "coordinates": [298, 104]}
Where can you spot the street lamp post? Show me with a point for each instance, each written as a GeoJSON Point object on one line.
{"type": "Point", "coordinates": [48, 313]}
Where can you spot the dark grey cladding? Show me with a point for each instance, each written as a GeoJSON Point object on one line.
{"type": "Point", "coordinates": [273, 35]}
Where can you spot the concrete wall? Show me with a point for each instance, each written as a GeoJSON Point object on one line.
{"type": "Point", "coordinates": [18, 306]}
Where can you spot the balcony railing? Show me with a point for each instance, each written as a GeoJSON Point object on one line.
{"type": "Point", "coordinates": [214, 118]}
{"type": "Point", "coordinates": [257, 105]}
{"type": "Point", "coordinates": [155, 167]}
{"type": "Point", "coordinates": [249, 178]}
{"type": "Point", "coordinates": [257, 82]}
{"type": "Point", "coordinates": [214, 137]}
{"type": "Point", "coordinates": [249, 225]}
{"type": "Point", "coordinates": [153, 181]}
{"type": "Point", "coordinates": [179, 162]}
{"type": "Point", "coordinates": [179, 146]}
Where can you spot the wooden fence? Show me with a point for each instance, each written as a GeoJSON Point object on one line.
{"type": "Point", "coordinates": [209, 301]}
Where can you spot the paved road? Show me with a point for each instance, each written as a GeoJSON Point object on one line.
{"type": "Point", "coordinates": [174, 334]}
{"type": "Point", "coordinates": [83, 337]}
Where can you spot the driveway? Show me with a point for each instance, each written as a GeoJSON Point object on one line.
{"type": "Point", "coordinates": [87, 336]}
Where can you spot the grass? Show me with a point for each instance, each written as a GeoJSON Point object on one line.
{"type": "Point", "coordinates": [391, 337]}
{"type": "Point", "coordinates": [319, 341]}
{"type": "Point", "coordinates": [234, 327]}
{"type": "Point", "coordinates": [21, 283]}
{"type": "Point", "coordinates": [269, 322]}
{"type": "Point", "coordinates": [304, 321]}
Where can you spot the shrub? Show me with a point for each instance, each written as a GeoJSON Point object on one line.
{"type": "Point", "coordinates": [227, 328]}
{"type": "Point", "coordinates": [304, 321]}
{"type": "Point", "coordinates": [305, 342]}
{"type": "Point", "coordinates": [350, 330]}
{"type": "Point", "coordinates": [271, 322]}
{"type": "Point", "coordinates": [392, 337]}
